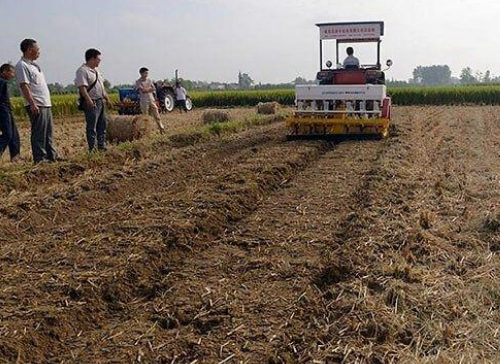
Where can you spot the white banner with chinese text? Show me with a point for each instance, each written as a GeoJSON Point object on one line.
{"type": "Point", "coordinates": [353, 31]}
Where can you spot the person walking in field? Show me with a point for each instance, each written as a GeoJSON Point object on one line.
{"type": "Point", "coordinates": [180, 97]}
{"type": "Point", "coordinates": [10, 135]}
{"type": "Point", "coordinates": [90, 83]}
{"type": "Point", "coordinates": [148, 98]}
{"type": "Point", "coordinates": [37, 101]}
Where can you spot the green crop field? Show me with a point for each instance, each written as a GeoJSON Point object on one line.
{"type": "Point", "coordinates": [241, 98]}
{"type": "Point", "coordinates": [62, 106]}
{"type": "Point", "coordinates": [65, 105]}
{"type": "Point", "coordinates": [460, 95]}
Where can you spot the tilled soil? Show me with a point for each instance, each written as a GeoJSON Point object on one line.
{"type": "Point", "coordinates": [251, 249]}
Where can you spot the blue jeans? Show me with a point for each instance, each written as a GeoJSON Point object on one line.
{"type": "Point", "coordinates": [96, 125]}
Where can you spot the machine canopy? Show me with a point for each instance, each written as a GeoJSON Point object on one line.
{"type": "Point", "coordinates": [352, 32]}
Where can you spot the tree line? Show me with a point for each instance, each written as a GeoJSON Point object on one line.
{"type": "Point", "coordinates": [441, 75]}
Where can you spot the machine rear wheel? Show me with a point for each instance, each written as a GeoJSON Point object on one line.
{"type": "Point", "coordinates": [167, 100]}
{"type": "Point", "coordinates": [189, 104]}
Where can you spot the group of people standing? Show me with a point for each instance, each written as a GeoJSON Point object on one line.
{"type": "Point", "coordinates": [37, 101]}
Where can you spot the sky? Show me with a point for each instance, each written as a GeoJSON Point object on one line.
{"type": "Point", "coordinates": [272, 40]}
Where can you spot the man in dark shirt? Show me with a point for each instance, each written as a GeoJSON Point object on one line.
{"type": "Point", "coordinates": [10, 134]}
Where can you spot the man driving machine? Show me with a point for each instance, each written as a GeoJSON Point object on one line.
{"type": "Point", "coordinates": [351, 62]}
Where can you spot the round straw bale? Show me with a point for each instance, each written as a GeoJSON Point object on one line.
{"type": "Point", "coordinates": [215, 116]}
{"type": "Point", "coordinates": [267, 108]}
{"type": "Point", "coordinates": [127, 128]}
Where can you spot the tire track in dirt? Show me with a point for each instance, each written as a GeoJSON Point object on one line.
{"type": "Point", "coordinates": [87, 272]}
{"type": "Point", "coordinates": [421, 280]}
{"type": "Point", "coordinates": [249, 295]}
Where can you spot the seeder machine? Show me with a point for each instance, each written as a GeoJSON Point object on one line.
{"type": "Point", "coordinates": [344, 101]}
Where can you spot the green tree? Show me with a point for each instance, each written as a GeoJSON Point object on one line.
{"type": "Point", "coordinates": [467, 77]}
{"type": "Point", "coordinates": [301, 81]}
{"type": "Point", "coordinates": [187, 84]}
{"type": "Point", "coordinates": [432, 75]}
{"type": "Point", "coordinates": [71, 89]}
{"type": "Point", "coordinates": [245, 81]}
{"type": "Point", "coordinates": [487, 77]}
{"type": "Point", "coordinates": [396, 83]}
{"type": "Point", "coordinates": [56, 88]}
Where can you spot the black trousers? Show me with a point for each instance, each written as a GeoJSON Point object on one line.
{"type": "Point", "coordinates": [10, 135]}
{"type": "Point", "coordinates": [181, 104]}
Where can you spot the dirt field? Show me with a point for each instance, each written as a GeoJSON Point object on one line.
{"type": "Point", "coordinates": [246, 248]}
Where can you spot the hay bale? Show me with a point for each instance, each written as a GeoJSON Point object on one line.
{"type": "Point", "coordinates": [215, 116]}
{"type": "Point", "coordinates": [127, 128]}
{"type": "Point", "coordinates": [267, 108]}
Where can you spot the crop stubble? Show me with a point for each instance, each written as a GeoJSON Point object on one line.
{"type": "Point", "coordinates": [252, 249]}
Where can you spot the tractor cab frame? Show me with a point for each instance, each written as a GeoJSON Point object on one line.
{"type": "Point", "coordinates": [360, 32]}
{"type": "Point", "coordinates": [349, 33]}
{"type": "Point", "coordinates": [344, 101]}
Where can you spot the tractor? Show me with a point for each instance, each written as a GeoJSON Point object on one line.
{"type": "Point", "coordinates": [129, 99]}
{"type": "Point", "coordinates": [344, 101]}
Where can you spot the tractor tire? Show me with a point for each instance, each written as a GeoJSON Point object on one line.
{"type": "Point", "coordinates": [167, 100]}
{"type": "Point", "coordinates": [189, 104]}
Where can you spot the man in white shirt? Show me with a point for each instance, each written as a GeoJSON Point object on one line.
{"type": "Point", "coordinates": [351, 61]}
{"type": "Point", "coordinates": [90, 83]}
{"type": "Point", "coordinates": [37, 101]}
{"type": "Point", "coordinates": [147, 96]}
{"type": "Point", "coordinates": [180, 97]}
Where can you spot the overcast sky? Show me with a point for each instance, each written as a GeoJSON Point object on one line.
{"type": "Point", "coordinates": [272, 40]}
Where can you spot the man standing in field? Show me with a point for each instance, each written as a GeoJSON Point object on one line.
{"type": "Point", "coordinates": [10, 134]}
{"type": "Point", "coordinates": [180, 96]}
{"type": "Point", "coordinates": [37, 102]}
{"type": "Point", "coordinates": [147, 95]}
{"type": "Point", "coordinates": [90, 83]}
